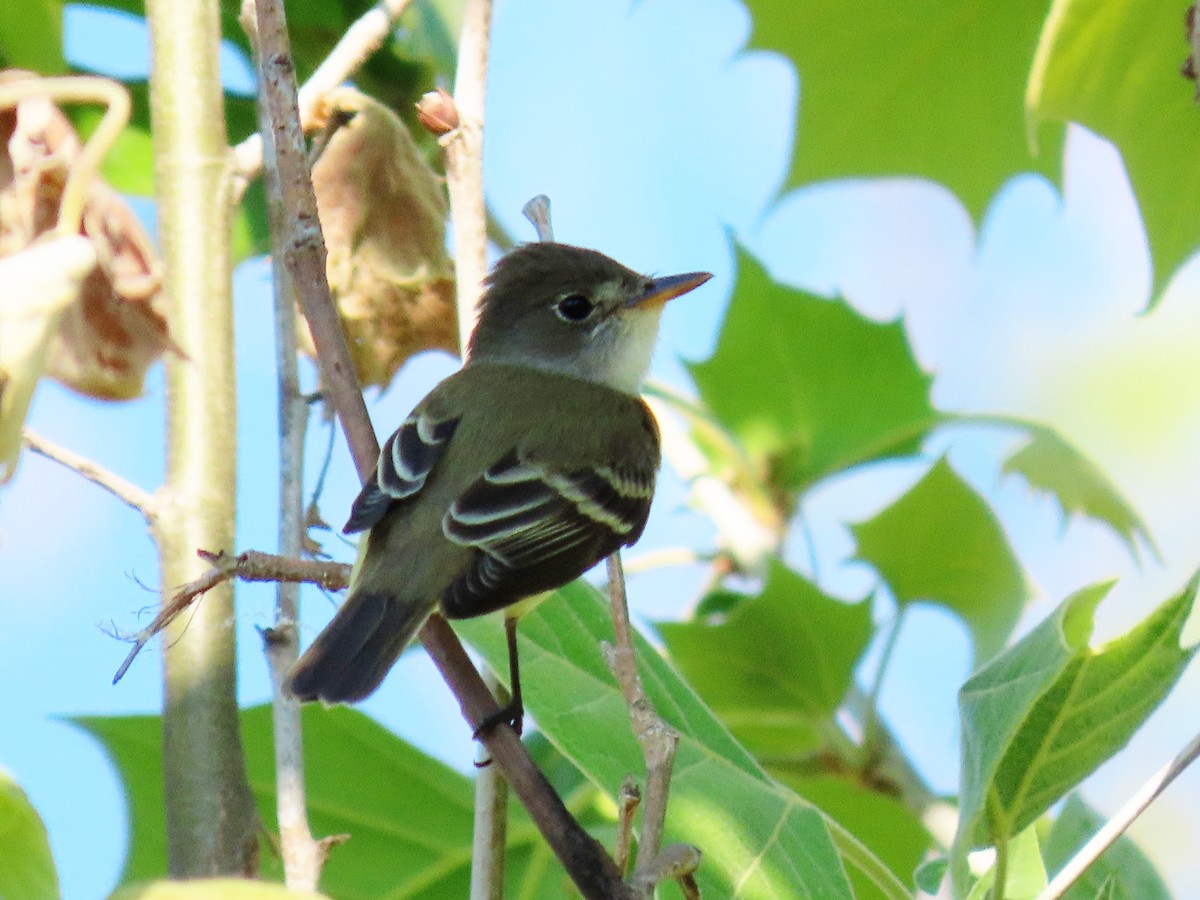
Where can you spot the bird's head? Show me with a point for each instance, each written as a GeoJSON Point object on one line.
{"type": "Point", "coordinates": [574, 311]}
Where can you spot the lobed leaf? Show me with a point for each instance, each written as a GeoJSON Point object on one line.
{"type": "Point", "coordinates": [941, 543]}
{"type": "Point", "coordinates": [1051, 464]}
{"type": "Point", "coordinates": [1048, 711]}
{"type": "Point", "coordinates": [1114, 67]}
{"type": "Point", "coordinates": [808, 385]}
{"type": "Point", "coordinates": [904, 90]}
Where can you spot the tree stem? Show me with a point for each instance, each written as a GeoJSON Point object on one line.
{"type": "Point", "coordinates": [212, 822]}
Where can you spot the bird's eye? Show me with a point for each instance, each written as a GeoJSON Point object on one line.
{"type": "Point", "coordinates": [574, 308]}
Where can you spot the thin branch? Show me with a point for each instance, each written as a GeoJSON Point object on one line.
{"type": "Point", "coordinates": [464, 163]}
{"type": "Point", "coordinates": [656, 738]}
{"type": "Point", "coordinates": [125, 491]}
{"type": "Point", "coordinates": [249, 566]}
{"type": "Point", "coordinates": [303, 857]}
{"type": "Point", "coordinates": [593, 872]}
{"type": "Point", "coordinates": [361, 39]}
{"type": "Point", "coordinates": [1119, 824]}
{"type": "Point", "coordinates": [490, 836]}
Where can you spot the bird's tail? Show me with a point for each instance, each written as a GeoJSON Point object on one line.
{"type": "Point", "coordinates": [350, 658]}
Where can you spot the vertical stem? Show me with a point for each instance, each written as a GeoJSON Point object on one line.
{"type": "Point", "coordinates": [490, 839]}
{"type": "Point", "coordinates": [303, 857]}
{"type": "Point", "coordinates": [211, 818]}
{"type": "Point", "coordinates": [464, 163]}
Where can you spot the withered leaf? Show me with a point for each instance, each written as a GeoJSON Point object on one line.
{"type": "Point", "coordinates": [107, 339]}
{"type": "Point", "coordinates": [383, 212]}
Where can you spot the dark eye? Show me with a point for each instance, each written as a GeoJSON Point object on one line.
{"type": "Point", "coordinates": [574, 308]}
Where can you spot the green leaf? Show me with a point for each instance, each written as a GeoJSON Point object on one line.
{"type": "Point", "coordinates": [941, 543]}
{"type": "Point", "coordinates": [930, 873]}
{"type": "Point", "coordinates": [1051, 464]}
{"type": "Point", "coordinates": [31, 36]}
{"type": "Point", "coordinates": [1122, 870]}
{"type": "Point", "coordinates": [889, 829]}
{"type": "Point", "coordinates": [1026, 873]}
{"type": "Point", "coordinates": [26, 864]}
{"type": "Point", "coordinates": [1048, 711]}
{"type": "Point", "coordinates": [1113, 66]}
{"type": "Point", "coordinates": [808, 385]}
{"type": "Point", "coordinates": [754, 833]}
{"type": "Point", "coordinates": [780, 667]}
{"type": "Point", "coordinates": [932, 90]}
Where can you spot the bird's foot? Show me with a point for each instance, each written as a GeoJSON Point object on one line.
{"type": "Point", "coordinates": [511, 714]}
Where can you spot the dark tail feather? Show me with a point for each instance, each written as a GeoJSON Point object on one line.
{"type": "Point", "coordinates": [350, 658]}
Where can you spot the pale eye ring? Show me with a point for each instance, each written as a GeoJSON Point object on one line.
{"type": "Point", "coordinates": [574, 308]}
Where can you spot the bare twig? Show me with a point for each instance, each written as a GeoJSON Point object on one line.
{"type": "Point", "coordinates": [361, 39]}
{"type": "Point", "coordinates": [125, 491]}
{"type": "Point", "coordinates": [464, 163]}
{"type": "Point", "coordinates": [1119, 823]}
{"type": "Point", "coordinates": [656, 738]}
{"type": "Point", "coordinates": [248, 566]}
{"type": "Point", "coordinates": [585, 860]}
{"type": "Point", "coordinates": [303, 857]}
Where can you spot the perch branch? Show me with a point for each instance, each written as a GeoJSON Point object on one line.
{"type": "Point", "coordinates": [125, 491]}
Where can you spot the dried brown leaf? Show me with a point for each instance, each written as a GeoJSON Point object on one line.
{"type": "Point", "coordinates": [106, 340]}
{"type": "Point", "coordinates": [383, 212]}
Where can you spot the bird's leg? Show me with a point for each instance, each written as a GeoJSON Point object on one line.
{"type": "Point", "coordinates": [513, 712]}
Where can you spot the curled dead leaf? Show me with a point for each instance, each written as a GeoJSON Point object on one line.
{"type": "Point", "coordinates": [108, 338]}
{"type": "Point", "coordinates": [383, 212]}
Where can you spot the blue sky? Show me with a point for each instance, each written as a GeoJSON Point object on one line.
{"type": "Point", "coordinates": [658, 137]}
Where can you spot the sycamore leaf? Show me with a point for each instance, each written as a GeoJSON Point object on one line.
{"type": "Point", "coordinates": [941, 543]}
{"type": "Point", "coordinates": [930, 90]}
{"type": "Point", "coordinates": [1122, 870]}
{"type": "Point", "coordinates": [26, 864]}
{"type": "Point", "coordinates": [1049, 710]}
{"type": "Point", "coordinates": [809, 386]}
{"type": "Point", "coordinates": [758, 838]}
{"type": "Point", "coordinates": [781, 665]}
{"type": "Point", "coordinates": [408, 815]}
{"type": "Point", "coordinates": [1049, 463]}
{"type": "Point", "coordinates": [1114, 67]}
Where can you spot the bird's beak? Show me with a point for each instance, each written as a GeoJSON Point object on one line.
{"type": "Point", "coordinates": [663, 289]}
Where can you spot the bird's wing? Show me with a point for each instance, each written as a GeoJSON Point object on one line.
{"type": "Point", "coordinates": [404, 463]}
{"type": "Point", "coordinates": [537, 527]}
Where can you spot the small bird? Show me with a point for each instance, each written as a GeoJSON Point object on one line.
{"type": "Point", "coordinates": [513, 476]}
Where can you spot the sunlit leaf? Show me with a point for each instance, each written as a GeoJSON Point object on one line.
{"type": "Point", "coordinates": [810, 386]}
{"type": "Point", "coordinates": [931, 90]}
{"type": "Point", "coordinates": [1051, 464]}
{"type": "Point", "coordinates": [26, 864]}
{"type": "Point", "coordinates": [1114, 66]}
{"type": "Point", "coordinates": [1045, 713]}
{"type": "Point", "coordinates": [1123, 871]}
{"type": "Point", "coordinates": [753, 832]}
{"type": "Point", "coordinates": [31, 36]}
{"type": "Point", "coordinates": [941, 543]}
{"type": "Point", "coordinates": [782, 663]}
{"type": "Point", "coordinates": [1025, 875]}
{"type": "Point", "coordinates": [211, 889]}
